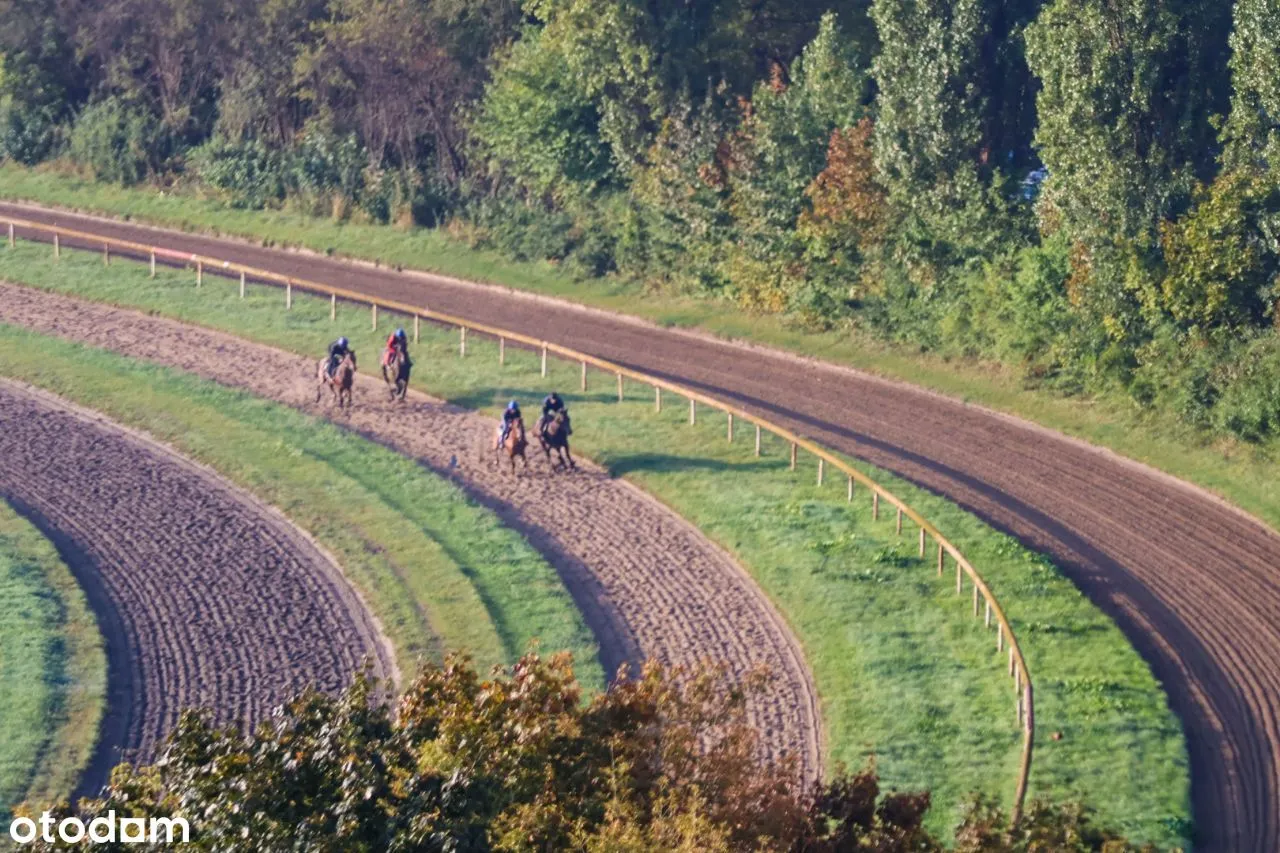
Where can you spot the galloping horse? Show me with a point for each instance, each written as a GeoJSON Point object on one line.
{"type": "Point", "coordinates": [341, 381]}
{"type": "Point", "coordinates": [554, 435]}
{"type": "Point", "coordinates": [514, 445]}
{"type": "Point", "coordinates": [398, 368]}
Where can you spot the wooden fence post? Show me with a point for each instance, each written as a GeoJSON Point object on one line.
{"type": "Point", "coordinates": [153, 264]}
{"type": "Point", "coordinates": [875, 505]}
{"type": "Point", "coordinates": [288, 295]}
{"type": "Point", "coordinates": [373, 312]}
{"type": "Point", "coordinates": [959, 580]}
{"type": "Point", "coordinates": [730, 427]}
{"type": "Point", "coordinates": [416, 321]}
{"type": "Point", "coordinates": [693, 411]}
{"type": "Point", "coordinates": [941, 557]}
{"type": "Point", "coordinates": [242, 284]}
{"type": "Point", "coordinates": [333, 307]}
{"type": "Point", "coordinates": [502, 351]}
{"type": "Point", "coordinates": [584, 376]}
{"type": "Point", "coordinates": [462, 342]}
{"type": "Point", "coordinates": [922, 543]}
{"type": "Point", "coordinates": [898, 526]}
{"type": "Point", "coordinates": [57, 251]}
{"type": "Point", "coordinates": [999, 637]}
{"type": "Point", "coordinates": [544, 359]}
{"type": "Point", "coordinates": [757, 439]}
{"type": "Point", "coordinates": [1013, 673]}
{"type": "Point", "coordinates": [975, 601]}
{"type": "Point", "coordinates": [199, 273]}
{"type": "Point", "coordinates": [106, 255]}
{"type": "Point", "coordinates": [793, 456]}
{"type": "Point", "coordinates": [11, 244]}
{"type": "Point", "coordinates": [821, 469]}
{"type": "Point", "coordinates": [657, 398]}
{"type": "Point", "coordinates": [849, 491]}
{"type": "Point", "coordinates": [620, 396]}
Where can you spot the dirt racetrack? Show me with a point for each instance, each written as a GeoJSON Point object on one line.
{"type": "Point", "coordinates": [648, 583]}
{"type": "Point", "coordinates": [1194, 583]}
{"type": "Point", "coordinates": [205, 597]}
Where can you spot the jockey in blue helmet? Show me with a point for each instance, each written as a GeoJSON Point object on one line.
{"type": "Point", "coordinates": [509, 417]}
{"type": "Point", "coordinates": [337, 351]}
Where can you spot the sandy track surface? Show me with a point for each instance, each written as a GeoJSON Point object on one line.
{"type": "Point", "coordinates": [1194, 583]}
{"type": "Point", "coordinates": [206, 598]}
{"type": "Point", "coordinates": [649, 584]}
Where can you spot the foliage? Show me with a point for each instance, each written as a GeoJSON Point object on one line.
{"type": "Point", "coordinates": [520, 762]}
{"type": "Point", "coordinates": [1223, 257]}
{"type": "Point", "coordinates": [118, 142]}
{"type": "Point", "coordinates": [1253, 130]}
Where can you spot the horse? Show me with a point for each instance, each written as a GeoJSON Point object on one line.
{"type": "Point", "coordinates": [398, 367]}
{"type": "Point", "coordinates": [341, 381]}
{"type": "Point", "coordinates": [554, 435]}
{"type": "Point", "coordinates": [514, 445]}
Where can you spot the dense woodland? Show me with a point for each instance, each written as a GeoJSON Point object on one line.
{"type": "Point", "coordinates": [1088, 190]}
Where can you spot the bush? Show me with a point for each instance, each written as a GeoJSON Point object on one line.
{"type": "Point", "coordinates": [118, 142]}
{"type": "Point", "coordinates": [251, 174]}
{"type": "Point", "coordinates": [28, 133]}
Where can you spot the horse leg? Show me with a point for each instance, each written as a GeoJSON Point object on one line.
{"type": "Point", "coordinates": [572, 465]}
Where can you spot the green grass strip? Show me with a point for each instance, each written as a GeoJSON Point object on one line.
{"type": "Point", "coordinates": [53, 691]}
{"type": "Point", "coordinates": [904, 671]}
{"type": "Point", "coordinates": [437, 569]}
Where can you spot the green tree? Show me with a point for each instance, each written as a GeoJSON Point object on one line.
{"type": "Point", "coordinates": [778, 150]}
{"type": "Point", "coordinates": [1252, 133]}
{"type": "Point", "coordinates": [1129, 88]}
{"type": "Point", "coordinates": [951, 110]}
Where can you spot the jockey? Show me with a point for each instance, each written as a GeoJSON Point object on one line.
{"type": "Point", "coordinates": [338, 350]}
{"type": "Point", "coordinates": [509, 417]}
{"type": "Point", "coordinates": [397, 341]}
{"type": "Point", "coordinates": [550, 405]}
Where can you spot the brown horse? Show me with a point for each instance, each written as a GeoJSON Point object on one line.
{"type": "Point", "coordinates": [341, 381]}
{"type": "Point", "coordinates": [396, 374]}
{"type": "Point", "coordinates": [554, 435]}
{"type": "Point", "coordinates": [514, 445]}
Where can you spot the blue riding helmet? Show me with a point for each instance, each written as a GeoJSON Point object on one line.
{"type": "Point", "coordinates": [513, 406]}
{"type": "Point", "coordinates": [400, 334]}
{"type": "Point", "coordinates": [342, 342]}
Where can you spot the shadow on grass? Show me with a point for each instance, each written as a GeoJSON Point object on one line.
{"type": "Point", "coordinates": [665, 462]}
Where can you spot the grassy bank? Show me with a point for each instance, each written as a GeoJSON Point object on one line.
{"type": "Point", "coordinates": [904, 671]}
{"type": "Point", "coordinates": [55, 670]}
{"type": "Point", "coordinates": [1243, 474]}
{"type": "Point", "coordinates": [437, 570]}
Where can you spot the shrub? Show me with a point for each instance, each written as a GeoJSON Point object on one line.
{"type": "Point", "coordinates": [118, 142]}
{"type": "Point", "coordinates": [251, 174]}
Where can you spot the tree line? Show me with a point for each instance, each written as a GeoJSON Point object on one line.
{"type": "Point", "coordinates": [1088, 190]}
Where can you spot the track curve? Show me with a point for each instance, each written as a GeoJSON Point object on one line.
{"type": "Point", "coordinates": [206, 598]}
{"type": "Point", "coordinates": [649, 584]}
{"type": "Point", "coordinates": [1194, 583]}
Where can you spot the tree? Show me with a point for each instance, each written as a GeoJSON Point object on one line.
{"type": "Point", "coordinates": [778, 150]}
{"type": "Point", "coordinates": [516, 762]}
{"type": "Point", "coordinates": [945, 125]}
{"type": "Point", "coordinates": [1252, 134]}
{"type": "Point", "coordinates": [1129, 90]}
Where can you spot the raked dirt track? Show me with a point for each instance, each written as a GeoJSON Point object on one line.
{"type": "Point", "coordinates": [648, 583]}
{"type": "Point", "coordinates": [1194, 583]}
{"type": "Point", "coordinates": [205, 597]}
